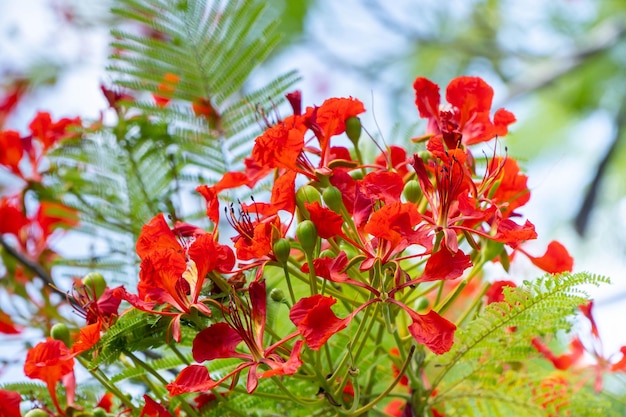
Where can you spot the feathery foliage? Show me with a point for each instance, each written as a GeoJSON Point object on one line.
{"type": "Point", "coordinates": [118, 176]}
{"type": "Point", "coordinates": [485, 372]}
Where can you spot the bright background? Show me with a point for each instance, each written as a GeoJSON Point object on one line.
{"type": "Point", "coordinates": [559, 65]}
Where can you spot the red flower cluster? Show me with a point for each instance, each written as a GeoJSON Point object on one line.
{"type": "Point", "coordinates": [369, 235]}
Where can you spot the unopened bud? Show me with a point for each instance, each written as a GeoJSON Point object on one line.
{"type": "Point", "coordinates": [99, 412]}
{"type": "Point", "coordinates": [95, 283]}
{"type": "Point", "coordinates": [333, 199]}
{"type": "Point", "coordinates": [306, 194]}
{"type": "Point", "coordinates": [306, 232]}
{"type": "Point", "coordinates": [421, 303]}
{"type": "Point", "coordinates": [60, 332]}
{"type": "Point", "coordinates": [277, 295]}
{"type": "Point", "coordinates": [412, 191]}
{"type": "Point", "coordinates": [353, 129]}
{"type": "Point", "coordinates": [282, 248]}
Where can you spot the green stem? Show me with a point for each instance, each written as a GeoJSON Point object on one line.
{"type": "Point", "coordinates": [384, 394]}
{"type": "Point", "coordinates": [188, 409]}
{"type": "Point", "coordinates": [104, 380]}
{"type": "Point", "coordinates": [289, 286]}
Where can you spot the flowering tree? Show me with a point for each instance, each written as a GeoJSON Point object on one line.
{"type": "Point", "coordinates": [316, 278]}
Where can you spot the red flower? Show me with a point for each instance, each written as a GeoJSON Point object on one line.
{"type": "Point", "coordinates": [494, 293]}
{"type": "Point", "coordinates": [244, 324]}
{"type": "Point", "coordinates": [280, 146]}
{"type": "Point", "coordinates": [12, 151]}
{"type": "Point", "coordinates": [555, 260]}
{"type": "Point", "coordinates": [153, 409]}
{"type": "Point", "coordinates": [433, 331]}
{"type": "Point", "coordinates": [467, 121]}
{"type": "Point", "coordinates": [327, 222]}
{"type": "Point", "coordinates": [316, 321]}
{"type": "Point", "coordinates": [49, 133]}
{"type": "Point", "coordinates": [165, 90]}
{"type": "Point", "coordinates": [173, 272]}
{"type": "Point", "coordinates": [6, 324]}
{"type": "Point", "coordinates": [49, 361]}
{"type": "Point", "coordinates": [10, 403]}
{"type": "Point", "coordinates": [445, 265]}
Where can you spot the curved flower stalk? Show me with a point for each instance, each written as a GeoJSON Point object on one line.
{"type": "Point", "coordinates": [245, 323]}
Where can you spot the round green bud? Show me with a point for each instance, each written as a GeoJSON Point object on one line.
{"type": "Point", "coordinates": [95, 283]}
{"type": "Point", "coordinates": [60, 332]}
{"type": "Point", "coordinates": [99, 412]}
{"type": "Point", "coordinates": [421, 303]}
{"type": "Point", "coordinates": [307, 194]}
{"type": "Point", "coordinates": [353, 128]}
{"type": "Point", "coordinates": [282, 248]}
{"type": "Point", "coordinates": [277, 295]}
{"type": "Point", "coordinates": [333, 199]}
{"type": "Point", "coordinates": [36, 412]}
{"type": "Point", "coordinates": [306, 232]}
{"type": "Point", "coordinates": [412, 191]}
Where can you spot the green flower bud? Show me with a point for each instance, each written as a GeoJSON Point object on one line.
{"type": "Point", "coordinates": [332, 198]}
{"type": "Point", "coordinates": [306, 232]}
{"type": "Point", "coordinates": [282, 247]}
{"type": "Point", "coordinates": [421, 303]}
{"type": "Point", "coordinates": [306, 194]}
{"type": "Point", "coordinates": [60, 332]}
{"type": "Point", "coordinates": [36, 412]}
{"type": "Point", "coordinates": [277, 295]}
{"type": "Point", "coordinates": [353, 129]}
{"type": "Point", "coordinates": [99, 412]}
{"type": "Point", "coordinates": [95, 283]}
{"type": "Point", "coordinates": [412, 191]}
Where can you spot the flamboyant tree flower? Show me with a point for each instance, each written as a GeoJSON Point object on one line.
{"type": "Point", "coordinates": [173, 270]}
{"type": "Point", "coordinates": [594, 347]}
{"type": "Point", "coordinates": [317, 323]}
{"type": "Point", "coordinates": [153, 409]}
{"type": "Point", "coordinates": [10, 403]}
{"type": "Point", "coordinates": [49, 361]}
{"type": "Point", "coordinates": [245, 323]}
{"type": "Point", "coordinates": [166, 89]}
{"type": "Point", "coordinates": [466, 121]}
{"type": "Point", "coordinates": [555, 260]}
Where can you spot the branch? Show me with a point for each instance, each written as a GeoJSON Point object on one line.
{"type": "Point", "coordinates": [33, 266]}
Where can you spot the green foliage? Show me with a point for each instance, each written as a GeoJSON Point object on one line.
{"type": "Point", "coordinates": [487, 371]}
{"type": "Point", "coordinates": [119, 176]}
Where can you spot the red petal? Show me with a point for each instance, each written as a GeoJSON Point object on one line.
{"type": "Point", "coordinates": [330, 268]}
{"type": "Point", "coordinates": [10, 403]}
{"type": "Point", "coordinates": [556, 259]}
{"type": "Point", "coordinates": [512, 233]}
{"type": "Point", "coordinates": [427, 98]}
{"type": "Point", "coordinates": [6, 324]}
{"type": "Point", "coordinates": [327, 222]}
{"type": "Point", "coordinates": [212, 204]}
{"type": "Point", "coordinates": [153, 409]}
{"type": "Point", "coordinates": [284, 193]}
{"type": "Point", "coordinates": [501, 120]}
{"type": "Point", "coordinates": [12, 220]}
{"type": "Point", "coordinates": [383, 185]}
{"type": "Point", "coordinates": [106, 402]}
{"type": "Point", "coordinates": [156, 235]}
{"type": "Point", "coordinates": [286, 368]}
{"type": "Point", "coordinates": [586, 310]}
{"type": "Point", "coordinates": [194, 378]}
{"type": "Point", "coordinates": [49, 361]}
{"type": "Point", "coordinates": [217, 341]}
{"type": "Point", "coordinates": [444, 265]}
{"type": "Point", "coordinates": [494, 293]}
{"type": "Point", "coordinates": [258, 300]}
{"type": "Point", "coordinates": [12, 150]}
{"type": "Point", "coordinates": [621, 365]}
{"type": "Point", "coordinates": [315, 320]}
{"type": "Point", "coordinates": [434, 331]}
{"type": "Point", "coordinates": [471, 96]}
{"type": "Point", "coordinates": [88, 336]}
